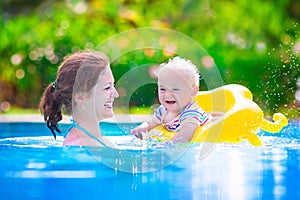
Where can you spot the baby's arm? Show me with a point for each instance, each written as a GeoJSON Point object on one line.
{"type": "Point", "coordinates": [144, 127]}
{"type": "Point", "coordinates": [186, 133]}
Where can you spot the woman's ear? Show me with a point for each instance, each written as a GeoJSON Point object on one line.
{"type": "Point", "coordinates": [80, 97]}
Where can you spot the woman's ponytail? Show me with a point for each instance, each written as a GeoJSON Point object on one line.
{"type": "Point", "coordinates": [50, 107]}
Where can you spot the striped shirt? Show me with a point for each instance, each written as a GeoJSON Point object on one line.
{"type": "Point", "coordinates": [192, 113]}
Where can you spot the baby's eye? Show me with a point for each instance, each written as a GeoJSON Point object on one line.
{"type": "Point", "coordinates": [162, 89]}
{"type": "Point", "coordinates": [175, 89]}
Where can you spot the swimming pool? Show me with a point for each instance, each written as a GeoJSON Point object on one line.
{"type": "Point", "coordinates": [34, 166]}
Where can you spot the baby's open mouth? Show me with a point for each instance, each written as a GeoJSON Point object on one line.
{"type": "Point", "coordinates": [170, 102]}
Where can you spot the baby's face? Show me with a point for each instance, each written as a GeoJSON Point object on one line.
{"type": "Point", "coordinates": [175, 90]}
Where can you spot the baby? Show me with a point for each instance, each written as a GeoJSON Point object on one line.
{"type": "Point", "coordinates": [178, 84]}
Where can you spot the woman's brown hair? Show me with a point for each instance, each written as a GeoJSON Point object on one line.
{"type": "Point", "coordinates": [78, 72]}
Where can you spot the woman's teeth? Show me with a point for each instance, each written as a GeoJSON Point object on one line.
{"type": "Point", "coordinates": [108, 104]}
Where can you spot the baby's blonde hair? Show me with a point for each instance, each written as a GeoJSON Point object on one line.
{"type": "Point", "coordinates": [186, 66]}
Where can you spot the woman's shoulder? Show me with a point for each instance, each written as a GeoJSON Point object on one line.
{"type": "Point", "coordinates": [72, 138]}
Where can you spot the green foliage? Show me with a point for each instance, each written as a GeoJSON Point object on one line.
{"type": "Point", "coordinates": [254, 43]}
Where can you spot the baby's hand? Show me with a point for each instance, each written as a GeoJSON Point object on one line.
{"type": "Point", "coordinates": [139, 130]}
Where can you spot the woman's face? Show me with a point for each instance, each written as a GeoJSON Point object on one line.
{"type": "Point", "coordinates": [105, 93]}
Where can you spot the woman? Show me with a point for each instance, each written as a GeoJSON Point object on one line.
{"type": "Point", "coordinates": [84, 87]}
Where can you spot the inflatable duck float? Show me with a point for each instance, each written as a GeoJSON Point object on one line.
{"type": "Point", "coordinates": [235, 117]}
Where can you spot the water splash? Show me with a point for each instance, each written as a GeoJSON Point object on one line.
{"type": "Point", "coordinates": [281, 73]}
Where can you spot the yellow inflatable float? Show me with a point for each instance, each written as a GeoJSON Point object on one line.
{"type": "Point", "coordinates": [236, 117]}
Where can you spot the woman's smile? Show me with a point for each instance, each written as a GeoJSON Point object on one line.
{"type": "Point", "coordinates": [109, 104]}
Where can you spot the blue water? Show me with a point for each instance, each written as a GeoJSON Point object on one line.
{"type": "Point", "coordinates": [34, 166]}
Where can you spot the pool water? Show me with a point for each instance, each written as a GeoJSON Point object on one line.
{"type": "Point", "coordinates": [35, 166]}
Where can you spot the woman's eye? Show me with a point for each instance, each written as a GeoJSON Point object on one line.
{"type": "Point", "coordinates": [107, 88]}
